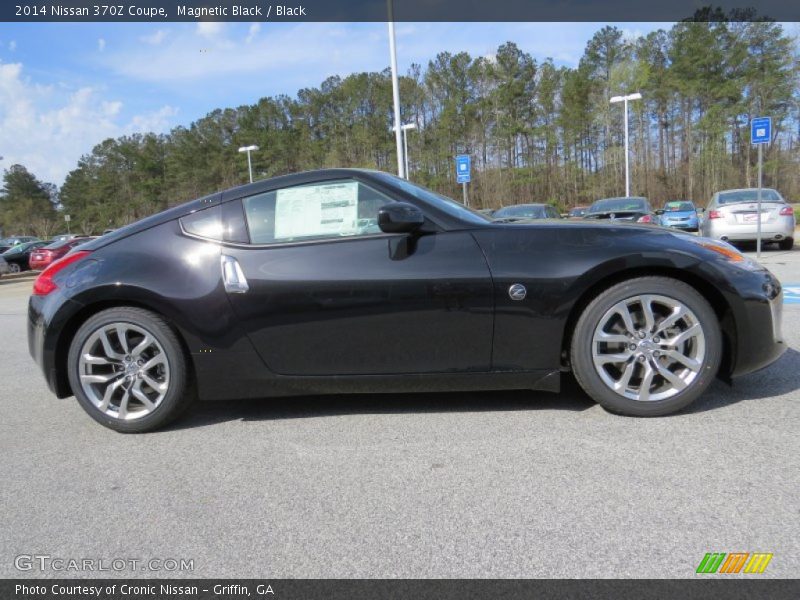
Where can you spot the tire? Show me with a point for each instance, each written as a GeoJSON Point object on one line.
{"type": "Point", "coordinates": [786, 243]}
{"type": "Point", "coordinates": [698, 345]}
{"type": "Point", "coordinates": [100, 358]}
{"type": "Point", "coordinates": [14, 268]}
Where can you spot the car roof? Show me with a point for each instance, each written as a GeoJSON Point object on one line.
{"type": "Point", "coordinates": [751, 189]}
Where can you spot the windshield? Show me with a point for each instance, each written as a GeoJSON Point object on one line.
{"type": "Point", "coordinates": [767, 195]}
{"type": "Point", "coordinates": [17, 249]}
{"type": "Point", "coordinates": [618, 205]}
{"type": "Point", "coordinates": [443, 203]}
{"type": "Point", "coordinates": [678, 206]}
{"type": "Point", "coordinates": [577, 212]}
{"type": "Point", "coordinates": [523, 211]}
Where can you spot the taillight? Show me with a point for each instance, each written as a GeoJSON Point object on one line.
{"type": "Point", "coordinates": [714, 214]}
{"type": "Point", "coordinates": [645, 219]}
{"type": "Point", "coordinates": [44, 283]}
{"type": "Point", "coordinates": [787, 211]}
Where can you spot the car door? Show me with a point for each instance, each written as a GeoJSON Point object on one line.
{"type": "Point", "coordinates": [328, 293]}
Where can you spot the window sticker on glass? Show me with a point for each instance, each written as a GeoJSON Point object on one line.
{"type": "Point", "coordinates": [317, 210]}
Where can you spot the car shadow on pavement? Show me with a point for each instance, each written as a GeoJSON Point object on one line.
{"type": "Point", "coordinates": [781, 377]}
{"type": "Point", "coordinates": [571, 398]}
{"type": "Point", "coordinates": [776, 380]}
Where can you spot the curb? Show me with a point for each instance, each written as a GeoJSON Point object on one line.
{"type": "Point", "coordinates": [25, 275]}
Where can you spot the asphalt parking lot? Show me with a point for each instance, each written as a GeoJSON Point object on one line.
{"type": "Point", "coordinates": [505, 484]}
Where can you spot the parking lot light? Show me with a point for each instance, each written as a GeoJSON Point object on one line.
{"type": "Point", "coordinates": [624, 100]}
{"type": "Point", "coordinates": [249, 149]}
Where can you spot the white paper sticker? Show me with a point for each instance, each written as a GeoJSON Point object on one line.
{"type": "Point", "coordinates": [317, 210]}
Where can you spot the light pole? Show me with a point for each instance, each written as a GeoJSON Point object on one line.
{"type": "Point", "coordinates": [624, 99]}
{"type": "Point", "coordinates": [404, 129]}
{"type": "Point", "coordinates": [395, 91]}
{"type": "Point", "coordinates": [249, 149]}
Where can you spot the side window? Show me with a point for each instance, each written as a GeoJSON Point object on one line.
{"type": "Point", "coordinates": [205, 223]}
{"type": "Point", "coordinates": [328, 210]}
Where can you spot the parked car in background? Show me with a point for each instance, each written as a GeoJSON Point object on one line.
{"type": "Point", "coordinates": [15, 240]}
{"type": "Point", "coordinates": [732, 216]}
{"type": "Point", "coordinates": [63, 237]}
{"type": "Point", "coordinates": [577, 212]}
{"type": "Point", "coordinates": [44, 256]}
{"type": "Point", "coordinates": [523, 212]}
{"type": "Point", "coordinates": [486, 211]}
{"type": "Point", "coordinates": [18, 256]}
{"type": "Point", "coordinates": [633, 209]}
{"type": "Point", "coordinates": [680, 214]}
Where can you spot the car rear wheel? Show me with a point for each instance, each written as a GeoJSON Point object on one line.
{"type": "Point", "coordinates": [786, 243]}
{"type": "Point", "coordinates": [14, 268]}
{"type": "Point", "coordinates": [128, 371]}
{"type": "Point", "coordinates": [646, 347]}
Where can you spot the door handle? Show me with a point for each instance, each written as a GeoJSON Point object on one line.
{"type": "Point", "coordinates": [232, 276]}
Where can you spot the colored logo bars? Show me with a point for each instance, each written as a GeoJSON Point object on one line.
{"type": "Point", "coordinates": [735, 562]}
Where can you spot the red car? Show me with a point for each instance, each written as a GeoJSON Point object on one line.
{"type": "Point", "coordinates": [42, 257]}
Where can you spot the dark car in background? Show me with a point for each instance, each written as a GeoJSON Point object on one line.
{"type": "Point", "coordinates": [17, 257]}
{"type": "Point", "coordinates": [44, 256]}
{"type": "Point", "coordinates": [15, 240]}
{"type": "Point", "coordinates": [633, 209]}
{"type": "Point", "coordinates": [523, 212]}
{"type": "Point", "coordinates": [351, 281]}
{"type": "Point", "coordinates": [680, 214]}
{"type": "Point", "coordinates": [578, 212]}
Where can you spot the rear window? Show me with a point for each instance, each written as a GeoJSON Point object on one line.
{"type": "Point", "coordinates": [748, 196]}
{"type": "Point", "coordinates": [678, 206]}
{"type": "Point", "coordinates": [618, 205]}
{"type": "Point", "coordinates": [522, 212]}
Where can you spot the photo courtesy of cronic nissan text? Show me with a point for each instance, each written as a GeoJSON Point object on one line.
{"type": "Point", "coordinates": [399, 299]}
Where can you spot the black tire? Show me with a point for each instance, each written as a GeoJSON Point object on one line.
{"type": "Point", "coordinates": [786, 243]}
{"type": "Point", "coordinates": [179, 394]}
{"type": "Point", "coordinates": [581, 346]}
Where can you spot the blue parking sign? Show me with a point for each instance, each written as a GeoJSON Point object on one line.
{"type": "Point", "coordinates": [761, 130]}
{"type": "Point", "coordinates": [463, 166]}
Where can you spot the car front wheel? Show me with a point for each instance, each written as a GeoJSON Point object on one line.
{"type": "Point", "coordinates": [128, 371]}
{"type": "Point", "coordinates": [646, 347]}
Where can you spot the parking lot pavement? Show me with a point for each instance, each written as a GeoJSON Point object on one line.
{"type": "Point", "coordinates": [430, 485]}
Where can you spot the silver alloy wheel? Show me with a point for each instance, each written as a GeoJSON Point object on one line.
{"type": "Point", "coordinates": [124, 371]}
{"type": "Point", "coordinates": [14, 268]}
{"type": "Point", "coordinates": [648, 347]}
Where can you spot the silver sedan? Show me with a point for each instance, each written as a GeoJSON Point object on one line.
{"type": "Point", "coordinates": [732, 215]}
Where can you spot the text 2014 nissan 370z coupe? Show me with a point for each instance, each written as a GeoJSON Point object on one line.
{"type": "Point", "coordinates": [356, 281]}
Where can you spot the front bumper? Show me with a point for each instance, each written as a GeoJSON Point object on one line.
{"type": "Point", "coordinates": [758, 316]}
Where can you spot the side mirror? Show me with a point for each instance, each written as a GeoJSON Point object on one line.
{"type": "Point", "coordinates": [660, 211]}
{"type": "Point", "coordinates": [400, 217]}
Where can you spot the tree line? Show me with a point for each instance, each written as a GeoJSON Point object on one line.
{"type": "Point", "coordinates": [537, 132]}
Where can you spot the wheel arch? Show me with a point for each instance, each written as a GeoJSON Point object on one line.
{"type": "Point", "coordinates": [715, 298]}
{"type": "Point", "coordinates": [71, 326]}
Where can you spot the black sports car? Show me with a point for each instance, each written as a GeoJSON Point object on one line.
{"type": "Point", "coordinates": [356, 281]}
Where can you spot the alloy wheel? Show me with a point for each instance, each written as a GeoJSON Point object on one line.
{"type": "Point", "coordinates": [648, 347]}
{"type": "Point", "coordinates": [124, 371]}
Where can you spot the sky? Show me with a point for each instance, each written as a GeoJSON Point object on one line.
{"type": "Point", "coordinates": [65, 87]}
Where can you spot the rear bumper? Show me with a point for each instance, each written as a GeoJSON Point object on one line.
{"type": "Point", "coordinates": [774, 231]}
{"type": "Point", "coordinates": [46, 318]}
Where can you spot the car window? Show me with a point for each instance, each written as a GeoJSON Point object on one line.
{"type": "Point", "coordinates": [678, 206]}
{"type": "Point", "coordinates": [552, 213]}
{"type": "Point", "coordinates": [619, 205]}
{"type": "Point", "coordinates": [748, 196]}
{"type": "Point", "coordinates": [328, 210]}
{"type": "Point", "coordinates": [205, 223]}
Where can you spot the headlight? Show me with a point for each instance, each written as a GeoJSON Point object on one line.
{"type": "Point", "coordinates": [724, 250]}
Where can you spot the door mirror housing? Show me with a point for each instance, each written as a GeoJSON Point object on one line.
{"type": "Point", "coordinates": [400, 217]}
{"type": "Point", "coordinates": [660, 211]}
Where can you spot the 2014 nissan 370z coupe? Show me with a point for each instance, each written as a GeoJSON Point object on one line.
{"type": "Point", "coordinates": [343, 281]}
